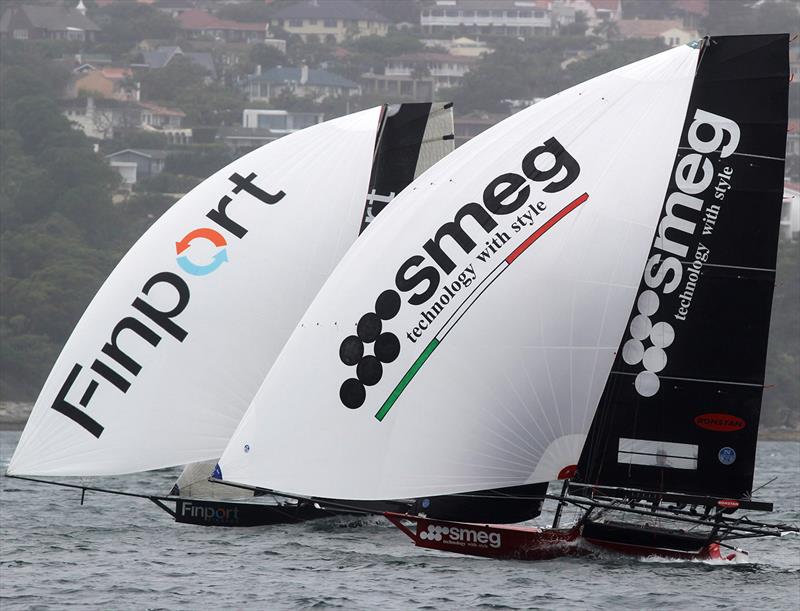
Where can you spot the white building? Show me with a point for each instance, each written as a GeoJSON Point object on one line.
{"type": "Point", "coordinates": [279, 121]}
{"type": "Point", "coordinates": [508, 17]}
{"type": "Point", "coordinates": [446, 70]}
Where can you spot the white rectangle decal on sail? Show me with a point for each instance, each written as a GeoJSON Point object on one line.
{"type": "Point", "coordinates": [657, 453]}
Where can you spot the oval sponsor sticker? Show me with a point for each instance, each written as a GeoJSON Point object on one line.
{"type": "Point", "coordinates": [727, 456]}
{"type": "Point", "coordinates": [723, 423]}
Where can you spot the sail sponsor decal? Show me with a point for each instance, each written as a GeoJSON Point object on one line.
{"type": "Point", "coordinates": [727, 456]}
{"type": "Point", "coordinates": [445, 288]}
{"type": "Point", "coordinates": [568, 472]}
{"type": "Point", "coordinates": [689, 215]}
{"type": "Point", "coordinates": [653, 453]}
{"type": "Point", "coordinates": [461, 535]}
{"type": "Point", "coordinates": [150, 324]}
{"type": "Point", "coordinates": [723, 423]}
{"type": "Point", "coordinates": [208, 512]}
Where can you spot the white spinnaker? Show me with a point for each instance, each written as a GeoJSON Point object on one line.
{"type": "Point", "coordinates": [508, 395]}
{"type": "Point", "coordinates": [189, 396]}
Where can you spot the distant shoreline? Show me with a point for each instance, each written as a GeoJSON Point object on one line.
{"type": "Point", "coordinates": [13, 417]}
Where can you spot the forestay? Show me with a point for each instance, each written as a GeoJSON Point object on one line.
{"type": "Point", "coordinates": [464, 341]}
{"type": "Point", "coordinates": [173, 347]}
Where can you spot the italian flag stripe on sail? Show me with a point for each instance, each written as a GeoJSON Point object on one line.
{"type": "Point", "coordinates": [472, 298]}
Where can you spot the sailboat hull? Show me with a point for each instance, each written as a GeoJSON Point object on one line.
{"type": "Point", "coordinates": [524, 543]}
{"type": "Point", "coordinates": [489, 540]}
{"type": "Point", "coordinates": [226, 513]}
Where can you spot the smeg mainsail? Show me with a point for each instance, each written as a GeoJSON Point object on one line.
{"type": "Point", "coordinates": [581, 292]}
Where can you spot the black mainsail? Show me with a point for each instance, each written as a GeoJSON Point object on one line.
{"type": "Point", "coordinates": [680, 410]}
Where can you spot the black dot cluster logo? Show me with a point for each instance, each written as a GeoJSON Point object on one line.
{"type": "Point", "coordinates": [385, 349]}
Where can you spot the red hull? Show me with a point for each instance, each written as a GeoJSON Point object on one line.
{"type": "Point", "coordinates": [508, 542]}
{"type": "Point", "coordinates": [522, 543]}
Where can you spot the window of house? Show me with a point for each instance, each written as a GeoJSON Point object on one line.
{"type": "Point", "coordinates": [312, 22]}
{"type": "Point", "coordinates": [303, 121]}
{"type": "Point", "coordinates": [538, 14]}
{"type": "Point", "coordinates": [525, 14]}
{"type": "Point", "coordinates": [483, 13]}
{"type": "Point", "coordinates": [330, 23]}
{"type": "Point", "coordinates": [437, 13]}
{"type": "Point", "coordinates": [451, 13]}
{"type": "Point", "coordinates": [296, 23]}
{"type": "Point", "coordinates": [20, 34]}
{"type": "Point", "coordinates": [497, 13]}
{"type": "Point", "coordinates": [272, 121]}
{"type": "Point", "coordinates": [512, 14]}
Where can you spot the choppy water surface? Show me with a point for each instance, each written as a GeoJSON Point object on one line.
{"type": "Point", "coordinates": [116, 553]}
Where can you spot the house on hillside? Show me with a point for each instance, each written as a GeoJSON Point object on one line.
{"type": "Point", "coordinates": [470, 125]}
{"type": "Point", "coordinates": [137, 164]}
{"type": "Point", "coordinates": [505, 17]}
{"type": "Point", "coordinates": [165, 121]}
{"type": "Point", "coordinates": [279, 121]}
{"type": "Point", "coordinates": [162, 56]}
{"type": "Point", "coordinates": [35, 22]}
{"type": "Point", "coordinates": [302, 82]}
{"type": "Point", "coordinates": [197, 24]}
{"type": "Point", "coordinates": [109, 82]}
{"type": "Point", "coordinates": [594, 12]}
{"type": "Point", "coordinates": [260, 126]}
{"type": "Point", "coordinates": [690, 12]}
{"type": "Point", "coordinates": [670, 31]}
{"type": "Point", "coordinates": [330, 21]}
{"type": "Point", "coordinates": [445, 70]}
{"type": "Point", "coordinates": [397, 87]}
{"type": "Point", "coordinates": [99, 117]}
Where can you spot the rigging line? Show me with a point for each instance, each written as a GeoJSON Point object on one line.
{"type": "Point", "coordinates": [94, 488]}
{"type": "Point", "coordinates": [763, 486]}
{"type": "Point", "coordinates": [625, 373]}
{"type": "Point", "coordinates": [749, 269]}
{"type": "Point", "coordinates": [735, 154]}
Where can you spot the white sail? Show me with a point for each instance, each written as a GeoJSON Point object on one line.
{"type": "Point", "coordinates": [427, 131]}
{"type": "Point", "coordinates": [173, 347]}
{"type": "Point", "coordinates": [464, 341]}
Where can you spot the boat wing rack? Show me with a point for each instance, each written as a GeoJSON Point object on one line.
{"type": "Point", "coordinates": [658, 497]}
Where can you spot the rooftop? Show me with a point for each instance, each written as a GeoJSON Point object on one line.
{"type": "Point", "coordinates": [151, 153]}
{"type": "Point", "coordinates": [647, 28]}
{"type": "Point", "coordinates": [195, 19]}
{"type": "Point", "coordinates": [541, 5]}
{"type": "Point", "coordinates": [52, 18]}
{"type": "Point", "coordinates": [315, 77]}
{"type": "Point", "coordinates": [434, 58]}
{"type": "Point", "coordinates": [347, 10]}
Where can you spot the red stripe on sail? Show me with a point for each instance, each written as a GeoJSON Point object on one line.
{"type": "Point", "coordinates": [539, 232]}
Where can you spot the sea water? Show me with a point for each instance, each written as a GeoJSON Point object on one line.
{"type": "Point", "coordinates": [125, 553]}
